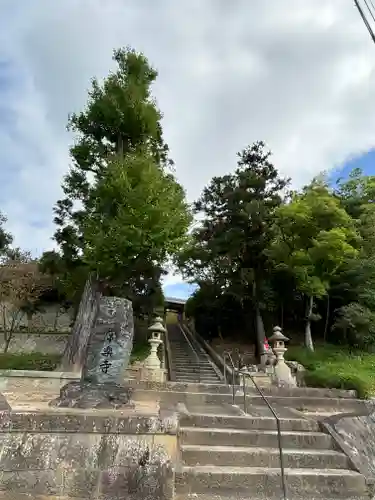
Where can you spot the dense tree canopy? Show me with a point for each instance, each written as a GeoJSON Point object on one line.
{"type": "Point", "coordinates": [304, 259]}
{"type": "Point", "coordinates": [123, 214]}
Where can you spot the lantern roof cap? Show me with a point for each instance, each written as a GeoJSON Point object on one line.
{"type": "Point", "coordinates": [157, 326]}
{"type": "Point", "coordinates": [278, 335]}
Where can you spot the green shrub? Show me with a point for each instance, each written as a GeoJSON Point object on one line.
{"type": "Point", "coordinates": [140, 351]}
{"type": "Point", "coordinates": [29, 361]}
{"type": "Point", "coordinates": [324, 378]}
{"type": "Point", "coordinates": [332, 367]}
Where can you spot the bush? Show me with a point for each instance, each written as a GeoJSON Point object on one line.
{"type": "Point", "coordinates": [29, 361]}
{"type": "Point", "coordinates": [355, 325]}
{"type": "Point", "coordinates": [140, 351]}
{"type": "Point", "coordinates": [324, 378]}
{"type": "Point", "coordinates": [336, 368]}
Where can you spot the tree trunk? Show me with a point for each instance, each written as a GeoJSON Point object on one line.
{"type": "Point", "coordinates": [282, 315]}
{"type": "Point", "coordinates": [259, 325]}
{"type": "Point", "coordinates": [308, 337]}
{"type": "Point", "coordinates": [7, 339]}
{"type": "Point", "coordinates": [327, 319]}
{"type": "Point", "coordinates": [29, 320]}
{"type": "Point", "coordinates": [260, 331]}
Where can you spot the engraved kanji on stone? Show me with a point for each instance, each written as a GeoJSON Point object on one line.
{"type": "Point", "coordinates": [107, 351]}
{"type": "Point", "coordinates": [105, 365]}
{"type": "Point", "coordinates": [110, 336]}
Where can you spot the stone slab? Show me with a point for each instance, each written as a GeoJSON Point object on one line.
{"type": "Point", "coordinates": [354, 434]}
{"type": "Point", "coordinates": [155, 421]}
{"type": "Point", "coordinates": [111, 342]}
{"type": "Point", "coordinates": [88, 395]}
{"type": "Point", "coordinates": [91, 454]}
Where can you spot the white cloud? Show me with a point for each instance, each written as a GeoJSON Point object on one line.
{"type": "Point", "coordinates": [298, 74]}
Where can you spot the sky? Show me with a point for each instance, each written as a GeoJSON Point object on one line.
{"type": "Point", "coordinates": [298, 74]}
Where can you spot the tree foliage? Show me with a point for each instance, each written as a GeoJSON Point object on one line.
{"type": "Point", "coordinates": [123, 213]}
{"type": "Point", "coordinates": [229, 248]}
{"type": "Point", "coordinates": [304, 259]}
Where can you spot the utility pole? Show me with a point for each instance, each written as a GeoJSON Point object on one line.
{"type": "Point", "coordinates": [367, 17]}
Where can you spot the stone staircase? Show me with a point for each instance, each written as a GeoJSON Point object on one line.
{"type": "Point", "coordinates": [226, 454]}
{"type": "Point", "coordinates": [189, 362]}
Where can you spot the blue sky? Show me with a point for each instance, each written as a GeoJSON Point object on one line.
{"type": "Point", "coordinates": [365, 162]}
{"type": "Point", "coordinates": [299, 75]}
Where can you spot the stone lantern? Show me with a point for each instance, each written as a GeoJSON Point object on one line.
{"type": "Point", "coordinates": [156, 330]}
{"type": "Point", "coordinates": [283, 373]}
{"type": "Point", "coordinates": [278, 340]}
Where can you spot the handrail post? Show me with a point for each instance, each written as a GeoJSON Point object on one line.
{"type": "Point", "coordinates": [245, 373]}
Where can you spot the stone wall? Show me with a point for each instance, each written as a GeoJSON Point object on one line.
{"type": "Point", "coordinates": [51, 318]}
{"type": "Point", "coordinates": [36, 342]}
{"type": "Point", "coordinates": [55, 343]}
{"type": "Point", "coordinates": [355, 435]}
{"type": "Point", "coordinates": [88, 456]}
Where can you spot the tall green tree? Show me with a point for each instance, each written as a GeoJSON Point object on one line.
{"type": "Point", "coordinates": [119, 131]}
{"type": "Point", "coordinates": [236, 229]}
{"type": "Point", "coordinates": [138, 219]}
{"type": "Point", "coordinates": [120, 116]}
{"type": "Point", "coordinates": [314, 237]}
{"type": "Point", "coordinates": [6, 238]}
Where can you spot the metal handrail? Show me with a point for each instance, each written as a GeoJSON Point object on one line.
{"type": "Point", "coordinates": [194, 351]}
{"type": "Point", "coordinates": [243, 374]}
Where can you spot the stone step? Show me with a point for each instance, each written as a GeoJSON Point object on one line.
{"type": "Point", "coordinates": [238, 456]}
{"type": "Point", "coordinates": [189, 368]}
{"type": "Point", "coordinates": [255, 437]}
{"type": "Point", "coordinates": [265, 483]}
{"type": "Point", "coordinates": [235, 496]}
{"type": "Point", "coordinates": [225, 421]}
{"type": "Point", "coordinates": [238, 496]}
{"type": "Point", "coordinates": [196, 374]}
{"type": "Point", "coordinates": [192, 364]}
{"type": "Point", "coordinates": [342, 405]}
{"type": "Point", "coordinates": [196, 378]}
{"type": "Point", "coordinates": [206, 375]}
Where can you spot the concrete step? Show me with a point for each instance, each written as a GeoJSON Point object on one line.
{"type": "Point", "coordinates": [255, 437]}
{"type": "Point", "coordinates": [225, 421]}
{"type": "Point", "coordinates": [265, 483]}
{"type": "Point", "coordinates": [238, 456]}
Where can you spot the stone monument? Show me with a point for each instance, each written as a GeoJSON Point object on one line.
{"type": "Point", "coordinates": [107, 356]}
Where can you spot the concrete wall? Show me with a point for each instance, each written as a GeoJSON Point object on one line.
{"type": "Point", "coordinates": [86, 456]}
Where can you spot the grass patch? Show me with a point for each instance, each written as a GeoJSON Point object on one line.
{"type": "Point", "coordinates": [140, 352]}
{"type": "Point", "coordinates": [29, 361]}
{"type": "Point", "coordinates": [337, 368]}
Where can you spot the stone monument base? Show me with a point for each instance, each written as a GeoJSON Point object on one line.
{"type": "Point", "coordinates": [88, 455]}
{"type": "Point", "coordinates": [89, 395]}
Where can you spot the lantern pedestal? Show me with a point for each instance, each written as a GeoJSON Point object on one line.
{"type": "Point", "coordinates": [152, 369]}
{"type": "Point", "coordinates": [283, 374]}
